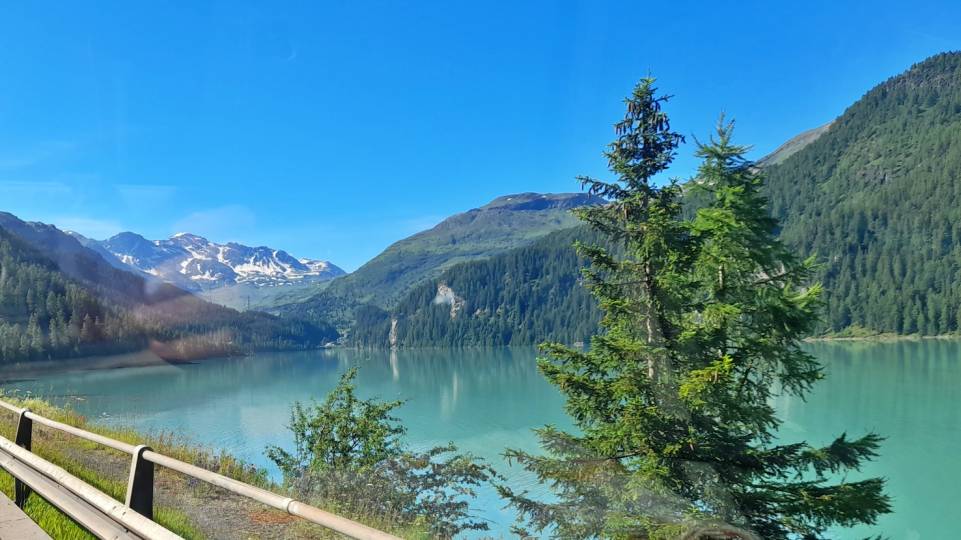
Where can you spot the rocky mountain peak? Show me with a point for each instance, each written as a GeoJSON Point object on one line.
{"type": "Point", "coordinates": [195, 263]}
{"type": "Point", "coordinates": [542, 201]}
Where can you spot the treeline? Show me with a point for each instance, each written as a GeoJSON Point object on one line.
{"type": "Point", "coordinates": [877, 200]}
{"type": "Point", "coordinates": [526, 296]}
{"type": "Point", "coordinates": [45, 314]}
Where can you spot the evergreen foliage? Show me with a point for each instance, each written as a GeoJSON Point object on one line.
{"type": "Point", "coordinates": [702, 325]}
{"type": "Point", "coordinates": [348, 452]}
{"type": "Point", "coordinates": [877, 199]}
{"type": "Point", "coordinates": [45, 314]}
{"type": "Point", "coordinates": [503, 224]}
{"type": "Point", "coordinates": [523, 297]}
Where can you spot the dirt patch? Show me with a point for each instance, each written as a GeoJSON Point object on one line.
{"type": "Point", "coordinates": [271, 518]}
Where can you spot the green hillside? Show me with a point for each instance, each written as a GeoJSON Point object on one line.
{"type": "Point", "coordinates": [521, 297]}
{"type": "Point", "coordinates": [48, 313]}
{"type": "Point", "coordinates": [875, 195]}
{"type": "Point", "coordinates": [877, 198]}
{"type": "Point", "coordinates": [503, 224]}
{"type": "Point", "coordinates": [246, 296]}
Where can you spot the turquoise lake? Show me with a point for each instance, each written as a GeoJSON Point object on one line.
{"type": "Point", "coordinates": [487, 400]}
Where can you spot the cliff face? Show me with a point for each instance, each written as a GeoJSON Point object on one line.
{"type": "Point", "coordinates": [446, 295]}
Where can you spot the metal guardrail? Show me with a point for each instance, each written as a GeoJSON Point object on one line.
{"type": "Point", "coordinates": [88, 506]}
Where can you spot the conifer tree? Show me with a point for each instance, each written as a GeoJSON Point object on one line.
{"type": "Point", "coordinates": [702, 324]}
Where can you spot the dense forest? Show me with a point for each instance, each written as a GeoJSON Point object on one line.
{"type": "Point", "coordinates": [877, 199]}
{"type": "Point", "coordinates": [505, 223]}
{"type": "Point", "coordinates": [522, 297]}
{"type": "Point", "coordinates": [46, 314]}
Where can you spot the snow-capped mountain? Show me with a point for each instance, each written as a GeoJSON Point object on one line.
{"type": "Point", "coordinates": [194, 263]}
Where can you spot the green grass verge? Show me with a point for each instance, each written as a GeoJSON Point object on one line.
{"type": "Point", "coordinates": [57, 524]}
{"type": "Point", "coordinates": [44, 514]}
{"type": "Point", "coordinates": [61, 449]}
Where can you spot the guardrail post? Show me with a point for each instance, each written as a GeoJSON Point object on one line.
{"type": "Point", "coordinates": [140, 484]}
{"type": "Point", "coordinates": [23, 439]}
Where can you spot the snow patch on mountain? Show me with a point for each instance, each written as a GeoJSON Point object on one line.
{"type": "Point", "coordinates": [195, 263]}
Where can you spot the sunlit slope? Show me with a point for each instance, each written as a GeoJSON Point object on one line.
{"type": "Point", "coordinates": [793, 145]}
{"type": "Point", "coordinates": [505, 223]}
{"type": "Point", "coordinates": [877, 197]}
{"type": "Point", "coordinates": [524, 296]}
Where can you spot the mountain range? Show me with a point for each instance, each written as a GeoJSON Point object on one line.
{"type": "Point", "coordinates": [142, 293]}
{"type": "Point", "coordinates": [874, 196]}
{"type": "Point", "coordinates": [59, 299]}
{"type": "Point", "coordinates": [194, 263]}
{"type": "Point", "coordinates": [505, 223]}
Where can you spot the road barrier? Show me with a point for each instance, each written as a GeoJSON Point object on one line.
{"type": "Point", "coordinates": [105, 517]}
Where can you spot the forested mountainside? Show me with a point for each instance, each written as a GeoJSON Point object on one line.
{"type": "Point", "coordinates": [523, 297]}
{"type": "Point", "coordinates": [59, 300]}
{"type": "Point", "coordinates": [503, 224]}
{"type": "Point", "coordinates": [877, 198]}
{"type": "Point", "coordinates": [43, 313]}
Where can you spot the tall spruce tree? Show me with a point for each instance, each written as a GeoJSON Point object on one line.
{"type": "Point", "coordinates": [702, 324]}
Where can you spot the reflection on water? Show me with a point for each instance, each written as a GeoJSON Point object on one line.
{"type": "Point", "coordinates": [243, 402]}
{"type": "Point", "coordinates": [482, 400]}
{"type": "Point", "coordinates": [485, 400]}
{"type": "Point", "coordinates": [907, 391]}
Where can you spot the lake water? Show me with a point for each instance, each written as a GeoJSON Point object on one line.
{"type": "Point", "coordinates": [488, 400]}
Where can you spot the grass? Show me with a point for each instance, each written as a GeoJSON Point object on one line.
{"type": "Point", "coordinates": [859, 333]}
{"type": "Point", "coordinates": [77, 456]}
{"type": "Point", "coordinates": [50, 519]}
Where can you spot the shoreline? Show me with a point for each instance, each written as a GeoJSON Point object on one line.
{"type": "Point", "coordinates": [11, 373]}
{"type": "Point", "coordinates": [148, 357]}
{"type": "Point", "coordinates": [877, 338]}
{"type": "Point", "coordinates": [21, 371]}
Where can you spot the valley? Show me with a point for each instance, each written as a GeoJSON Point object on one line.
{"type": "Point", "coordinates": [452, 285]}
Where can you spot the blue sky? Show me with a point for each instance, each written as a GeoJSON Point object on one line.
{"type": "Point", "coordinates": [333, 129]}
